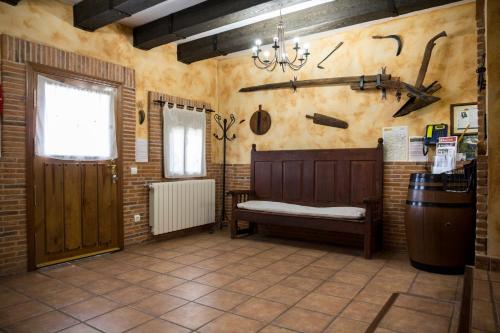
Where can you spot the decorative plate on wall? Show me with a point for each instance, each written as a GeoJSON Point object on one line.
{"type": "Point", "coordinates": [260, 121]}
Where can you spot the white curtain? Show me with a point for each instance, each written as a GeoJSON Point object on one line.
{"type": "Point", "coordinates": [75, 123]}
{"type": "Point", "coordinates": [183, 143]}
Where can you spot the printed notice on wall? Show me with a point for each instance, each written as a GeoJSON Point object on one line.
{"type": "Point", "coordinates": [395, 143]}
{"type": "Point", "coordinates": [416, 149]}
{"type": "Point", "coordinates": [141, 150]}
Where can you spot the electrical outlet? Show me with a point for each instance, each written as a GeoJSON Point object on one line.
{"type": "Point", "coordinates": [133, 170]}
{"type": "Point", "coordinates": [137, 218]}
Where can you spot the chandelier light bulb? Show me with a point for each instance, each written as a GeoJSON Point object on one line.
{"type": "Point", "coordinates": [296, 40]}
{"type": "Point", "coordinates": [266, 55]}
{"type": "Point", "coordinates": [258, 42]}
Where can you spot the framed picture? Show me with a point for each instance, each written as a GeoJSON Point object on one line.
{"type": "Point", "coordinates": [464, 119]}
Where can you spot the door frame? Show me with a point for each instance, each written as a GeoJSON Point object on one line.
{"type": "Point", "coordinates": [32, 70]}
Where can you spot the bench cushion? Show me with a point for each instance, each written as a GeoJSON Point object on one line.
{"type": "Point", "coordinates": [354, 213]}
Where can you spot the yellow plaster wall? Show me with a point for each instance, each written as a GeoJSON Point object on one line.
{"type": "Point", "coordinates": [493, 110]}
{"type": "Point", "coordinates": [51, 22]}
{"type": "Point", "coordinates": [453, 64]}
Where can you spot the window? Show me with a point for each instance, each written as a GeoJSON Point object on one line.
{"type": "Point", "coordinates": [184, 143]}
{"type": "Point", "coordinates": [75, 122]}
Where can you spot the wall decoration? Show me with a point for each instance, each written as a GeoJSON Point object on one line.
{"type": "Point", "coordinates": [464, 119]}
{"type": "Point", "coordinates": [260, 121]}
{"type": "Point", "coordinates": [395, 143]}
{"type": "Point", "coordinates": [329, 54]}
{"type": "Point", "coordinates": [419, 95]}
{"type": "Point", "coordinates": [481, 75]}
{"type": "Point", "coordinates": [398, 40]}
{"type": "Point", "coordinates": [321, 119]}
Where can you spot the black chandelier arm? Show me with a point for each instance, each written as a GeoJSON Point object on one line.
{"type": "Point", "coordinates": [232, 120]}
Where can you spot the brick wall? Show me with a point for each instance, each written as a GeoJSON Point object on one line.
{"type": "Point", "coordinates": [482, 168]}
{"type": "Point", "coordinates": [396, 179]}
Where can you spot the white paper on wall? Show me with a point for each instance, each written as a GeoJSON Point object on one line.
{"type": "Point", "coordinates": [141, 150]}
{"type": "Point", "coordinates": [395, 143]}
{"type": "Point", "coordinates": [416, 149]}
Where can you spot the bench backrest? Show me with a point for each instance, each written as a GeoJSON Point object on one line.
{"type": "Point", "coordinates": [322, 177]}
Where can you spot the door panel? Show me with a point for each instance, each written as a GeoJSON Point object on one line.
{"type": "Point", "coordinates": [90, 222]}
{"type": "Point", "coordinates": [107, 205]}
{"type": "Point", "coordinates": [72, 206]}
{"type": "Point", "coordinates": [54, 208]}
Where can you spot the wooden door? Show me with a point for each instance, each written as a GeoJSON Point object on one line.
{"type": "Point", "coordinates": [74, 203]}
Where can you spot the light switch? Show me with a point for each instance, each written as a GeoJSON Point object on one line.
{"type": "Point", "coordinates": [133, 170]}
{"type": "Point", "coordinates": [137, 218]}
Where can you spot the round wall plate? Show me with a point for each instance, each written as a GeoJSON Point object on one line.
{"type": "Point", "coordinates": [260, 122]}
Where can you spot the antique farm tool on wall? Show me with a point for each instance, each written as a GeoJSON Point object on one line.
{"type": "Point", "coordinates": [481, 79]}
{"type": "Point", "coordinates": [329, 54]}
{"type": "Point", "coordinates": [321, 119]}
{"type": "Point", "coordinates": [260, 121]}
{"type": "Point", "coordinates": [225, 125]}
{"type": "Point", "coordinates": [415, 102]}
{"type": "Point", "coordinates": [397, 38]}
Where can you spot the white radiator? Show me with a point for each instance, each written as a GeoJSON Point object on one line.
{"type": "Point", "coordinates": [181, 205]}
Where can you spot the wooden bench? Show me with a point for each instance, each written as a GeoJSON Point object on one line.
{"type": "Point", "coordinates": [319, 178]}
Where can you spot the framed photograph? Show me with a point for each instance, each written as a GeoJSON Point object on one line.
{"type": "Point", "coordinates": [464, 119]}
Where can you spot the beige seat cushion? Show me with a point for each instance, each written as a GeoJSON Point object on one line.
{"type": "Point", "coordinates": [355, 213]}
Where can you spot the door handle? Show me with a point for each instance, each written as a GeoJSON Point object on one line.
{"type": "Point", "coordinates": [114, 170]}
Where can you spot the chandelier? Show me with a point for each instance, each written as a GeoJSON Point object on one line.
{"type": "Point", "coordinates": [262, 59]}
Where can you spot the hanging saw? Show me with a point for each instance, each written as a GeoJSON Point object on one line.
{"type": "Point", "coordinates": [321, 119]}
{"type": "Point", "coordinates": [398, 40]}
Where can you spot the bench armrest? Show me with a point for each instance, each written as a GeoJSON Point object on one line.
{"type": "Point", "coordinates": [240, 196]}
{"type": "Point", "coordinates": [373, 207]}
{"type": "Point", "coordinates": [372, 200]}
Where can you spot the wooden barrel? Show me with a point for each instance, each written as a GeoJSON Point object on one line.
{"type": "Point", "coordinates": [440, 222]}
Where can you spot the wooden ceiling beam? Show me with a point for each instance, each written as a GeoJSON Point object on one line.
{"type": "Point", "coordinates": [93, 14]}
{"type": "Point", "coordinates": [11, 2]}
{"type": "Point", "coordinates": [321, 18]}
{"type": "Point", "coordinates": [205, 16]}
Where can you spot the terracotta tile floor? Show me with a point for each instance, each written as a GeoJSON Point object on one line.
{"type": "Point", "coordinates": [210, 283]}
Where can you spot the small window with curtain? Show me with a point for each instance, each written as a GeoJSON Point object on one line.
{"type": "Point", "coordinates": [75, 122]}
{"type": "Point", "coordinates": [183, 143]}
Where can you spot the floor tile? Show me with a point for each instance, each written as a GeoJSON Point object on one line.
{"type": "Point", "coordinates": [316, 272]}
{"type": "Point", "coordinates": [409, 321]}
{"type": "Point", "coordinates": [345, 325]}
{"type": "Point", "coordinates": [339, 289]}
{"type": "Point", "coordinates": [216, 279]}
{"type": "Point", "coordinates": [300, 282]}
{"type": "Point", "coordinates": [303, 320]}
{"type": "Point", "coordinates": [247, 286]}
{"type": "Point", "coordinates": [258, 262]}
{"type": "Point", "coordinates": [282, 294]}
{"type": "Point", "coordinates": [10, 297]}
{"type": "Point", "coordinates": [192, 315]}
{"type": "Point", "coordinates": [65, 297]}
{"type": "Point", "coordinates": [351, 278]}
{"type": "Point", "coordinates": [222, 299]}
{"type": "Point", "coordinates": [275, 329]}
{"type": "Point", "coordinates": [90, 308]}
{"type": "Point", "coordinates": [136, 275]}
{"type": "Point", "coordinates": [159, 326]}
{"type": "Point", "coordinates": [188, 272]}
{"type": "Point", "coordinates": [433, 290]}
{"type": "Point", "coordinates": [164, 267]}
{"type": "Point", "coordinates": [238, 270]}
{"type": "Point", "coordinates": [427, 305]}
{"type": "Point", "coordinates": [104, 286]}
{"type": "Point", "coordinates": [330, 305]}
{"type": "Point", "coordinates": [80, 328]}
{"type": "Point", "coordinates": [260, 309]}
{"type": "Point", "coordinates": [299, 259]}
{"type": "Point", "coordinates": [15, 313]}
{"type": "Point", "coordinates": [187, 259]}
{"type": "Point", "coordinates": [212, 264]}
{"type": "Point", "coordinates": [284, 267]}
{"type": "Point", "coordinates": [361, 311]}
{"type": "Point", "coordinates": [229, 323]}
{"type": "Point", "coordinates": [119, 320]}
{"type": "Point", "coordinates": [162, 283]}
{"type": "Point", "coordinates": [46, 323]}
{"type": "Point", "coordinates": [266, 275]}
{"type": "Point", "coordinates": [165, 254]}
{"type": "Point", "coordinates": [129, 294]}
{"type": "Point", "coordinates": [190, 290]}
{"type": "Point", "coordinates": [158, 304]}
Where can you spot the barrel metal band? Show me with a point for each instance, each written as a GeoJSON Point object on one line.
{"type": "Point", "coordinates": [439, 204]}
